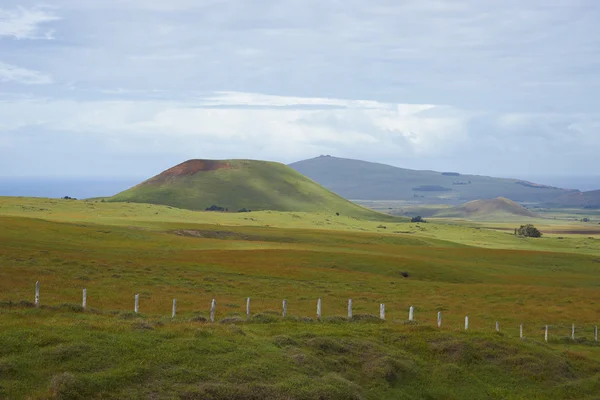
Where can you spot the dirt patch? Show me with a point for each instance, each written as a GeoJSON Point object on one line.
{"type": "Point", "coordinates": [228, 235]}
{"type": "Point", "coordinates": [215, 234]}
{"type": "Point", "coordinates": [192, 167]}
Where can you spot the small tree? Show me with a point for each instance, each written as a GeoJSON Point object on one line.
{"type": "Point", "coordinates": [417, 219]}
{"type": "Point", "coordinates": [529, 231]}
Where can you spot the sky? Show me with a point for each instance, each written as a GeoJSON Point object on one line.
{"type": "Point", "coordinates": [127, 88]}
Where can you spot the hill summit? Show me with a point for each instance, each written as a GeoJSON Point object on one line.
{"type": "Point", "coordinates": [500, 206]}
{"type": "Point", "coordinates": [235, 185]}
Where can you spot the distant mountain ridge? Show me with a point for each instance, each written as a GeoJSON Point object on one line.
{"type": "Point", "coordinates": [234, 185]}
{"type": "Point", "coordinates": [363, 180]}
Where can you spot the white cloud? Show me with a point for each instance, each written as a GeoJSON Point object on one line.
{"type": "Point", "coordinates": [25, 23]}
{"type": "Point", "coordinates": [357, 123]}
{"type": "Point", "coordinates": [12, 73]}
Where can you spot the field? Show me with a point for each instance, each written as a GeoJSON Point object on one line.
{"type": "Point", "coordinates": [117, 250]}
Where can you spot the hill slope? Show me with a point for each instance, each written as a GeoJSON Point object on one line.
{"type": "Point", "coordinates": [237, 184]}
{"type": "Point", "coordinates": [361, 180]}
{"type": "Point", "coordinates": [487, 208]}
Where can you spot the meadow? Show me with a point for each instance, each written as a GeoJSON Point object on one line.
{"type": "Point", "coordinates": [117, 250]}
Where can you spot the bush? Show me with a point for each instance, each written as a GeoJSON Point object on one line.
{"type": "Point", "coordinates": [215, 208]}
{"type": "Point", "coordinates": [528, 231]}
{"type": "Point", "coordinates": [244, 210]}
{"type": "Point", "coordinates": [418, 218]}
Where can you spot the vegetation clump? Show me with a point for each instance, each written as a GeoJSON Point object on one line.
{"type": "Point", "coordinates": [214, 207]}
{"type": "Point", "coordinates": [528, 231]}
{"type": "Point", "coordinates": [417, 219]}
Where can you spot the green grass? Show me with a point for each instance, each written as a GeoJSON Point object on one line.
{"type": "Point", "coordinates": [116, 250]}
{"type": "Point", "coordinates": [254, 185]}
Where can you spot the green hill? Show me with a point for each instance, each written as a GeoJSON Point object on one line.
{"type": "Point", "coordinates": [490, 208]}
{"type": "Point", "coordinates": [239, 184]}
{"type": "Point", "coordinates": [361, 180]}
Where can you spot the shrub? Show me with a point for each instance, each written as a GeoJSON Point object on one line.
{"type": "Point", "coordinates": [215, 208]}
{"type": "Point", "coordinates": [418, 218]}
{"type": "Point", "coordinates": [528, 231]}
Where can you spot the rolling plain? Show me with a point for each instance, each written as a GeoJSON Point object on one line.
{"type": "Point", "coordinates": [461, 268]}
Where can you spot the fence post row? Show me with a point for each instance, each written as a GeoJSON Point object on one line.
{"type": "Point", "coordinates": [411, 312]}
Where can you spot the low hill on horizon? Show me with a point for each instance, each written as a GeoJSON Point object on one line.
{"type": "Point", "coordinates": [362, 180]}
{"type": "Point", "coordinates": [488, 208]}
{"type": "Point", "coordinates": [589, 200]}
{"type": "Point", "coordinates": [234, 185]}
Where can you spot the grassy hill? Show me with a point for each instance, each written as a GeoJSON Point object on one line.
{"type": "Point", "coordinates": [487, 209]}
{"type": "Point", "coordinates": [239, 184]}
{"type": "Point", "coordinates": [361, 180]}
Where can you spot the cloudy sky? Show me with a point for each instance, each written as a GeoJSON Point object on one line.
{"type": "Point", "coordinates": [120, 88]}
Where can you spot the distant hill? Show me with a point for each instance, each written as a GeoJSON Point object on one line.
{"type": "Point", "coordinates": [478, 209]}
{"type": "Point", "coordinates": [234, 185]}
{"type": "Point", "coordinates": [362, 180]}
{"type": "Point", "coordinates": [589, 199]}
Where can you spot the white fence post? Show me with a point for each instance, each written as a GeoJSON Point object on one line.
{"type": "Point", "coordinates": [136, 307]}
{"type": "Point", "coordinates": [174, 308]}
{"type": "Point", "coordinates": [84, 302]}
{"type": "Point", "coordinates": [439, 319]}
{"type": "Point", "coordinates": [319, 309]}
{"type": "Point", "coordinates": [546, 334]}
{"type": "Point", "coordinates": [349, 308]}
{"type": "Point", "coordinates": [284, 308]}
{"type": "Point", "coordinates": [248, 308]}
{"type": "Point", "coordinates": [213, 305]}
{"type": "Point", "coordinates": [521, 331]}
{"type": "Point", "coordinates": [466, 322]}
{"type": "Point", "coordinates": [411, 313]}
{"type": "Point", "coordinates": [382, 311]}
{"type": "Point", "coordinates": [573, 332]}
{"type": "Point", "coordinates": [595, 333]}
{"type": "Point", "coordinates": [37, 294]}
{"type": "Point", "coordinates": [497, 326]}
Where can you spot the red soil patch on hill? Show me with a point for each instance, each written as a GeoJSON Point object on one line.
{"type": "Point", "coordinates": [191, 167]}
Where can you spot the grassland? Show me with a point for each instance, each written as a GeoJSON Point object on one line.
{"type": "Point", "coordinates": [116, 250]}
